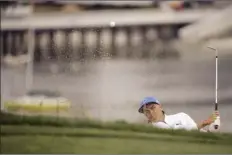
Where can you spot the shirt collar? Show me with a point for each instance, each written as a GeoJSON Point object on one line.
{"type": "Point", "coordinates": [166, 118]}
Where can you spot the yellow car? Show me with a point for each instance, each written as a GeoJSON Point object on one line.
{"type": "Point", "coordinates": [39, 101]}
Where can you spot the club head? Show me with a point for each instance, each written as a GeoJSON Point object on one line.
{"type": "Point", "coordinates": [212, 48]}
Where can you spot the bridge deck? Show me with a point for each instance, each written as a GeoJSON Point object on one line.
{"type": "Point", "coordinates": [103, 19]}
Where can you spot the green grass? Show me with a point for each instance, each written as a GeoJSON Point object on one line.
{"type": "Point", "coordinates": [11, 119]}
{"type": "Point", "coordinates": [48, 144]}
{"type": "Point", "coordinates": [24, 134]}
{"type": "Point", "coordinates": [35, 139]}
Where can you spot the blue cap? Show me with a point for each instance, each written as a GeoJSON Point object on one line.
{"type": "Point", "coordinates": [147, 100]}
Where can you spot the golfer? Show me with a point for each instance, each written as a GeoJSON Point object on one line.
{"type": "Point", "coordinates": [155, 114]}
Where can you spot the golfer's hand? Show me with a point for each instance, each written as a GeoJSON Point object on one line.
{"type": "Point", "coordinates": [212, 118]}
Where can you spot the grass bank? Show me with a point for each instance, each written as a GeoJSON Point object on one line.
{"type": "Point", "coordinates": [24, 134]}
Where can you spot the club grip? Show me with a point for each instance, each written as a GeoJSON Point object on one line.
{"type": "Point", "coordinates": [216, 107]}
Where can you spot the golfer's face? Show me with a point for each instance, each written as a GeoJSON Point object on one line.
{"type": "Point", "coordinates": [150, 111]}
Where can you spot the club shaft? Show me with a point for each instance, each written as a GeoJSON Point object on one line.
{"type": "Point", "coordinates": [216, 83]}
{"type": "Point", "coordinates": [216, 77]}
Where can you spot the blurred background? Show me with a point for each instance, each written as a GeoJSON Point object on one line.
{"type": "Point", "coordinates": [103, 57]}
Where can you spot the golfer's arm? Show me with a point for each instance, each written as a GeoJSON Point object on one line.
{"type": "Point", "coordinates": [191, 124]}
{"type": "Point", "coordinates": [202, 124]}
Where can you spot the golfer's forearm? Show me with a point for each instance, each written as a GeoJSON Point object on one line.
{"type": "Point", "coordinates": [202, 124]}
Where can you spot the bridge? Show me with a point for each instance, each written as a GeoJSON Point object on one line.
{"type": "Point", "coordinates": [150, 25]}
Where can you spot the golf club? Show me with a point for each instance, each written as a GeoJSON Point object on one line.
{"type": "Point", "coordinates": [216, 125]}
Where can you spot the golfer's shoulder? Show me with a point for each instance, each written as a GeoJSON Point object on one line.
{"type": "Point", "coordinates": [180, 115]}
